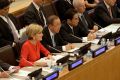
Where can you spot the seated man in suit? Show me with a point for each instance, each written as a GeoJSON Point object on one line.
{"type": "Point", "coordinates": [62, 6]}
{"type": "Point", "coordinates": [107, 13]}
{"type": "Point", "coordinates": [35, 14]}
{"type": "Point", "coordinates": [85, 21]}
{"type": "Point", "coordinates": [5, 69]}
{"type": "Point", "coordinates": [51, 36]}
{"type": "Point", "coordinates": [69, 31]}
{"type": "Point", "coordinates": [8, 25]}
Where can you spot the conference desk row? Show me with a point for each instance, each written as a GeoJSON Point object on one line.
{"type": "Point", "coordinates": [103, 67]}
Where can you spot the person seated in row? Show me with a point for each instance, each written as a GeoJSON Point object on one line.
{"type": "Point", "coordinates": [9, 25]}
{"type": "Point", "coordinates": [6, 69]}
{"type": "Point", "coordinates": [35, 14]}
{"type": "Point", "coordinates": [51, 37]}
{"type": "Point", "coordinates": [107, 13]}
{"type": "Point", "coordinates": [85, 23]}
{"type": "Point", "coordinates": [32, 48]}
{"type": "Point", "coordinates": [69, 30]}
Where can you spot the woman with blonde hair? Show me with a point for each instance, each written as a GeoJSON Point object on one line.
{"type": "Point", "coordinates": [32, 48]}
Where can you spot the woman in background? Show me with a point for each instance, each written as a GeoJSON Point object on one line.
{"type": "Point", "coordinates": [32, 48]}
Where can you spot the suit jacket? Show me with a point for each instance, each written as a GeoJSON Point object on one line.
{"type": "Point", "coordinates": [31, 15]}
{"type": "Point", "coordinates": [6, 36]}
{"type": "Point", "coordinates": [62, 6]}
{"type": "Point", "coordinates": [68, 35]}
{"type": "Point", "coordinates": [47, 41]}
{"type": "Point", "coordinates": [84, 29]}
{"type": "Point", "coordinates": [4, 66]}
{"type": "Point", "coordinates": [102, 16]}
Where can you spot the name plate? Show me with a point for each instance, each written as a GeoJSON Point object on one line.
{"type": "Point", "coordinates": [99, 51]}
{"type": "Point", "coordinates": [117, 41]}
{"type": "Point", "coordinates": [75, 64]}
{"type": "Point", "coordinates": [52, 76]}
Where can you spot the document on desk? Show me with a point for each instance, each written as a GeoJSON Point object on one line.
{"type": "Point", "coordinates": [95, 41]}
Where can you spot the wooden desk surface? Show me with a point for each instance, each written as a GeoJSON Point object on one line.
{"type": "Point", "coordinates": [103, 67]}
{"type": "Point", "coordinates": [19, 6]}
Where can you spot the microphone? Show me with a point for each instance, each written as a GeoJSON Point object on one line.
{"type": "Point", "coordinates": [76, 37]}
{"type": "Point", "coordinates": [100, 27]}
{"type": "Point", "coordinates": [55, 49]}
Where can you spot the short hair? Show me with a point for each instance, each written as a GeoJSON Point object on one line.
{"type": "Point", "coordinates": [33, 29]}
{"type": "Point", "coordinates": [70, 13]}
{"type": "Point", "coordinates": [4, 3]}
{"type": "Point", "coordinates": [52, 18]}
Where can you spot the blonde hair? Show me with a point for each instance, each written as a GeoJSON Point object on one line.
{"type": "Point", "coordinates": [33, 29]}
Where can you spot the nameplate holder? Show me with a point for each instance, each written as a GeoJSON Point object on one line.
{"type": "Point", "coordinates": [51, 76]}
{"type": "Point", "coordinates": [117, 41]}
{"type": "Point", "coordinates": [99, 51]}
{"type": "Point", "coordinates": [75, 64]}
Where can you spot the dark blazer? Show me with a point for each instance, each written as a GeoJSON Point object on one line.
{"type": "Point", "coordinates": [4, 66]}
{"type": "Point", "coordinates": [47, 41]}
{"type": "Point", "coordinates": [84, 30]}
{"type": "Point", "coordinates": [88, 19]}
{"type": "Point", "coordinates": [102, 16]}
{"type": "Point", "coordinates": [68, 35]}
{"type": "Point", "coordinates": [31, 15]}
{"type": "Point", "coordinates": [62, 6]}
{"type": "Point", "coordinates": [6, 36]}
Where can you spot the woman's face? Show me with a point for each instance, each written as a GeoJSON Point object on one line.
{"type": "Point", "coordinates": [38, 37]}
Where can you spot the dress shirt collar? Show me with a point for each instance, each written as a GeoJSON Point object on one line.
{"type": "Point", "coordinates": [36, 6]}
{"type": "Point", "coordinates": [51, 33]}
{"type": "Point", "coordinates": [3, 17]}
{"type": "Point", "coordinates": [107, 5]}
{"type": "Point", "coordinates": [70, 27]}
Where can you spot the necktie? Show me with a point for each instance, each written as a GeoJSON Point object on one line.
{"type": "Point", "coordinates": [110, 12]}
{"type": "Point", "coordinates": [14, 30]}
{"type": "Point", "coordinates": [84, 22]}
{"type": "Point", "coordinates": [53, 41]}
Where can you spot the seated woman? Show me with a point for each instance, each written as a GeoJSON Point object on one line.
{"type": "Point", "coordinates": [32, 48]}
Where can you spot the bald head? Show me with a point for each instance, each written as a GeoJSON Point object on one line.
{"type": "Point", "coordinates": [79, 5]}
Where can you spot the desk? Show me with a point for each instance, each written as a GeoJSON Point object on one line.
{"type": "Point", "coordinates": [18, 7]}
{"type": "Point", "coordinates": [103, 67]}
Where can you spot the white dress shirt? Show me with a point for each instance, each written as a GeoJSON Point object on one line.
{"type": "Point", "coordinates": [52, 34]}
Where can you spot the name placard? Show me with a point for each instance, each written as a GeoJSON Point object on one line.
{"type": "Point", "coordinates": [117, 41]}
{"type": "Point", "coordinates": [52, 76]}
{"type": "Point", "coordinates": [75, 64]}
{"type": "Point", "coordinates": [99, 51]}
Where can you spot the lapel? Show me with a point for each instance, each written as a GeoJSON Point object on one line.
{"type": "Point", "coordinates": [36, 12]}
{"type": "Point", "coordinates": [105, 9]}
{"type": "Point", "coordinates": [48, 36]}
{"type": "Point", "coordinates": [68, 28]}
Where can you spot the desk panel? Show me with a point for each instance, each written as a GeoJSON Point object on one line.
{"type": "Point", "coordinates": [103, 67]}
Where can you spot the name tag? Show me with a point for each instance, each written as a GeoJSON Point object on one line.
{"type": "Point", "coordinates": [117, 41]}
{"type": "Point", "coordinates": [51, 76]}
{"type": "Point", "coordinates": [75, 64]}
{"type": "Point", "coordinates": [99, 51]}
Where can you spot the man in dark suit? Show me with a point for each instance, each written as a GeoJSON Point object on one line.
{"type": "Point", "coordinates": [107, 13]}
{"type": "Point", "coordinates": [5, 69]}
{"type": "Point", "coordinates": [35, 14]}
{"type": "Point", "coordinates": [51, 37]}
{"type": "Point", "coordinates": [8, 25]}
{"type": "Point", "coordinates": [85, 23]}
{"type": "Point", "coordinates": [69, 30]}
{"type": "Point", "coordinates": [62, 6]}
